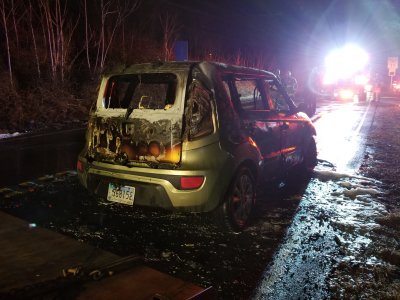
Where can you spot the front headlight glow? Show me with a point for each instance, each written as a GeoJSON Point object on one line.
{"type": "Point", "coordinates": [346, 94]}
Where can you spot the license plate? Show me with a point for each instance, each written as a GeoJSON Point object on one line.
{"type": "Point", "coordinates": [121, 194]}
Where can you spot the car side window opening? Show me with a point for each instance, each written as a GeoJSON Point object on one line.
{"type": "Point", "coordinates": [140, 91]}
{"type": "Point", "coordinates": [199, 111]}
{"type": "Point", "coordinates": [232, 93]}
{"type": "Point", "coordinates": [276, 98]}
{"type": "Point", "coordinates": [249, 94]}
{"type": "Point", "coordinates": [228, 110]}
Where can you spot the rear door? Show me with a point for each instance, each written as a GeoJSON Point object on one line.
{"type": "Point", "coordinates": [259, 122]}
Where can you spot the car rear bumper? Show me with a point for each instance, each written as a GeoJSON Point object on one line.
{"type": "Point", "coordinates": [158, 187]}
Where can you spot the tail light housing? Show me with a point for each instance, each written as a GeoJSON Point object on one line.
{"type": "Point", "coordinates": [79, 166]}
{"type": "Point", "coordinates": [191, 182]}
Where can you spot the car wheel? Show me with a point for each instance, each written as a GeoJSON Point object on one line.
{"type": "Point", "coordinates": [239, 201]}
{"type": "Point", "coordinates": [310, 156]}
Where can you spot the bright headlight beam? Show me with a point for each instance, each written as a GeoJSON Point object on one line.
{"type": "Point", "coordinates": [344, 62]}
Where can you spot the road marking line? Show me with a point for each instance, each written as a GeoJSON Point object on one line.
{"type": "Point", "coordinates": [357, 131]}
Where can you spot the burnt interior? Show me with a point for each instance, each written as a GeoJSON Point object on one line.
{"type": "Point", "coordinates": [141, 91]}
{"type": "Point", "coordinates": [120, 141]}
{"type": "Point", "coordinates": [123, 139]}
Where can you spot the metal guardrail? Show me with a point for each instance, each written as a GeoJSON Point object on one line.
{"type": "Point", "coordinates": [31, 155]}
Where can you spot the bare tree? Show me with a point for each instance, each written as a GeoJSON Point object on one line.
{"type": "Point", "coordinates": [4, 21]}
{"type": "Point", "coordinates": [34, 39]}
{"type": "Point", "coordinates": [58, 35]}
{"type": "Point", "coordinates": [113, 14]}
{"type": "Point", "coordinates": [170, 29]}
{"type": "Point", "coordinates": [13, 14]}
{"type": "Point", "coordinates": [238, 58]}
{"type": "Point", "coordinates": [49, 25]}
{"type": "Point", "coordinates": [87, 37]}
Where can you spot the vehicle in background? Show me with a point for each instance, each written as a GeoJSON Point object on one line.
{"type": "Point", "coordinates": [193, 136]}
{"type": "Point", "coordinates": [346, 75]}
{"type": "Point", "coordinates": [396, 86]}
{"type": "Point", "coordinates": [349, 91]}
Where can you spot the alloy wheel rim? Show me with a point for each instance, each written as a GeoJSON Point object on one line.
{"type": "Point", "coordinates": [242, 199]}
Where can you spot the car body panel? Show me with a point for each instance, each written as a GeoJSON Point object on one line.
{"type": "Point", "coordinates": [208, 131]}
{"type": "Point", "coordinates": [294, 128]}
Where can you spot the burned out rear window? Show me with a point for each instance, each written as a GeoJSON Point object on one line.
{"type": "Point", "coordinates": [141, 91]}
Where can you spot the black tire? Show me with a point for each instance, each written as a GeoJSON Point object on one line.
{"type": "Point", "coordinates": [237, 208]}
{"type": "Point", "coordinates": [310, 156]}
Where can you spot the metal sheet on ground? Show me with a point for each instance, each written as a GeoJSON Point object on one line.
{"type": "Point", "coordinates": [32, 261]}
{"type": "Point", "coordinates": [144, 283]}
{"type": "Point", "coordinates": [31, 254]}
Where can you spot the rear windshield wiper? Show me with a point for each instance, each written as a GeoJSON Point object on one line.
{"type": "Point", "coordinates": [129, 110]}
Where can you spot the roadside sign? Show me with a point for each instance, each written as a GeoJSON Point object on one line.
{"type": "Point", "coordinates": [181, 50]}
{"type": "Point", "coordinates": [392, 63]}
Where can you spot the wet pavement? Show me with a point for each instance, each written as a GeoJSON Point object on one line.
{"type": "Point", "coordinates": [332, 224]}
{"type": "Point", "coordinates": [310, 235]}
{"type": "Point", "coordinates": [341, 133]}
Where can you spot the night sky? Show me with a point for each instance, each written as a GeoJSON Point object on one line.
{"type": "Point", "coordinates": [294, 33]}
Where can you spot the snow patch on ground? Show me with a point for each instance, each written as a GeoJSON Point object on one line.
{"type": "Point", "coordinates": [8, 135]}
{"type": "Point", "coordinates": [353, 185]}
{"type": "Point", "coordinates": [353, 193]}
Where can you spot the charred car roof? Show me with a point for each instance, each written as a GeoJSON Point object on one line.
{"type": "Point", "coordinates": [205, 66]}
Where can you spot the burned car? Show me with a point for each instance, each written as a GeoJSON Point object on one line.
{"type": "Point", "coordinates": [193, 136]}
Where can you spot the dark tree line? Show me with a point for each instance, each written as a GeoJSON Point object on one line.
{"type": "Point", "coordinates": [54, 39]}
{"type": "Point", "coordinates": [52, 48]}
{"type": "Point", "coordinates": [56, 49]}
{"type": "Point", "coordinates": [53, 51]}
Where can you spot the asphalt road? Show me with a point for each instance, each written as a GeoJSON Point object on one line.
{"type": "Point", "coordinates": [288, 253]}
{"type": "Point", "coordinates": [303, 263]}
{"type": "Point", "coordinates": [342, 129]}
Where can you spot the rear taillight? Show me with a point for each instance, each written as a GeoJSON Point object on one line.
{"type": "Point", "coordinates": [79, 166]}
{"type": "Point", "coordinates": [191, 182]}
